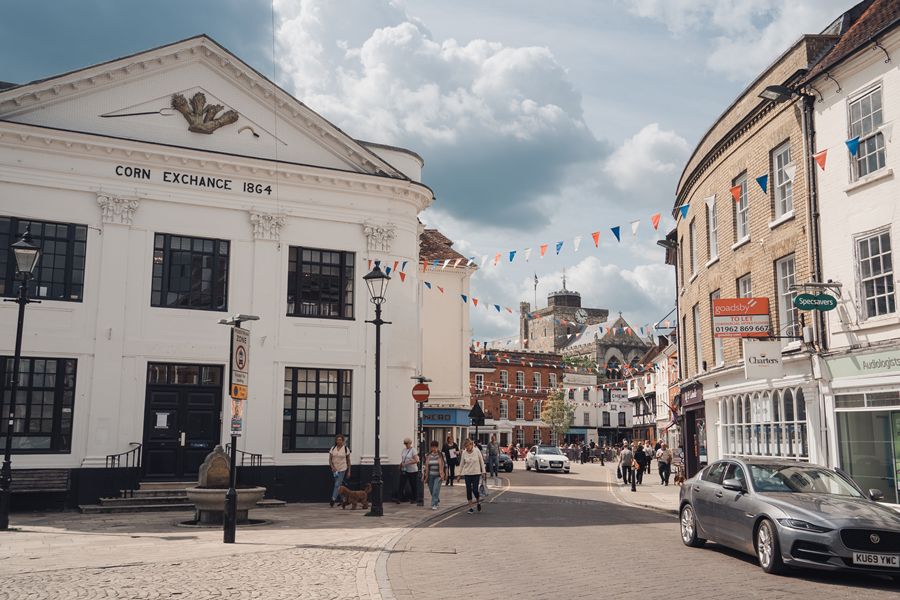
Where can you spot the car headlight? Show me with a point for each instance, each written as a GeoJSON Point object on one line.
{"type": "Point", "coordinates": [803, 526]}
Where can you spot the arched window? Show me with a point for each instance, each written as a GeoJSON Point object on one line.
{"type": "Point", "coordinates": [767, 423]}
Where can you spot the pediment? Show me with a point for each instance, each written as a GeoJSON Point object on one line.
{"type": "Point", "coordinates": [131, 98]}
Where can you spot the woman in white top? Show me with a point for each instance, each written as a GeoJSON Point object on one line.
{"type": "Point", "coordinates": [339, 461]}
{"type": "Point", "coordinates": [409, 470]}
{"type": "Point", "coordinates": [471, 466]}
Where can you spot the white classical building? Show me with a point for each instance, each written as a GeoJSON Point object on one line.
{"type": "Point", "coordinates": [170, 189]}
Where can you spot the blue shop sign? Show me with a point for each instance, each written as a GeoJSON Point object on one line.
{"type": "Point", "coordinates": [440, 417]}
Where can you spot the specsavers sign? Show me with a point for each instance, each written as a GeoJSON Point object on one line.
{"type": "Point", "coordinates": [741, 317]}
{"type": "Point", "coordinates": [762, 360]}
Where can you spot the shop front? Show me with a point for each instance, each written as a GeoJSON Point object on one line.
{"type": "Point", "coordinates": [645, 420]}
{"type": "Point", "coordinates": [439, 422]}
{"type": "Point", "coordinates": [695, 451]}
{"type": "Point", "coordinates": [866, 405]}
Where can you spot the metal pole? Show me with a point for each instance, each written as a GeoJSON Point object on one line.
{"type": "Point", "coordinates": [230, 518]}
{"type": "Point", "coordinates": [420, 486]}
{"type": "Point", "coordinates": [377, 483]}
{"type": "Point", "coordinates": [6, 471]}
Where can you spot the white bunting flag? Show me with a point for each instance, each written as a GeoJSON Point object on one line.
{"type": "Point", "coordinates": [710, 201]}
{"type": "Point", "coordinates": [577, 241]}
{"type": "Point", "coordinates": [789, 171]}
{"type": "Point", "coordinates": [634, 226]}
{"type": "Point", "coordinates": [887, 130]}
{"type": "Point", "coordinates": [484, 261]}
{"type": "Point", "coordinates": [527, 253]}
{"type": "Point", "coordinates": [446, 262]}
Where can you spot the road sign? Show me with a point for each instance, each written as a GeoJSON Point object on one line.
{"type": "Point", "coordinates": [477, 415]}
{"type": "Point", "coordinates": [823, 302]}
{"type": "Point", "coordinates": [420, 392]}
{"type": "Point", "coordinates": [240, 358]}
{"type": "Point", "coordinates": [741, 317]}
{"type": "Point", "coordinates": [239, 392]}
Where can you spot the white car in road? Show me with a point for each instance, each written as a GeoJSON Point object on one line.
{"type": "Point", "coordinates": [546, 458]}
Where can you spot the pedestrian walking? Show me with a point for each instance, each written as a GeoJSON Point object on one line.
{"type": "Point", "coordinates": [626, 459]}
{"type": "Point", "coordinates": [664, 461]}
{"type": "Point", "coordinates": [585, 452]}
{"type": "Point", "coordinates": [640, 458]}
{"type": "Point", "coordinates": [493, 456]}
{"type": "Point", "coordinates": [409, 469]}
{"type": "Point", "coordinates": [451, 458]}
{"type": "Point", "coordinates": [339, 461]}
{"type": "Point", "coordinates": [471, 466]}
{"type": "Point", "coordinates": [434, 474]}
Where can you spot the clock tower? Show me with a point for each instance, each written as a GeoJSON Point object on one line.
{"type": "Point", "coordinates": [549, 329]}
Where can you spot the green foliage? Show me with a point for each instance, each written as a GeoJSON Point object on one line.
{"type": "Point", "coordinates": [557, 414]}
{"type": "Point", "coordinates": [588, 364]}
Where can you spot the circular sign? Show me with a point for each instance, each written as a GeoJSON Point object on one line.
{"type": "Point", "coordinates": [420, 392]}
{"type": "Point", "coordinates": [240, 358]}
{"type": "Point", "coordinates": [822, 302]}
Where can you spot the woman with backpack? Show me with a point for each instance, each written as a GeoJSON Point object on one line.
{"type": "Point", "coordinates": [339, 461]}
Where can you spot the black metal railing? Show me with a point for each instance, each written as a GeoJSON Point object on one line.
{"type": "Point", "coordinates": [249, 467]}
{"type": "Point", "coordinates": [123, 473]}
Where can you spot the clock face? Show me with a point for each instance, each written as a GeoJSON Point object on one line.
{"type": "Point", "coordinates": [581, 315]}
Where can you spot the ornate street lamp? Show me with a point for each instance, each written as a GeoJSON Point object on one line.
{"type": "Point", "coordinates": [27, 255]}
{"type": "Point", "coordinates": [377, 282]}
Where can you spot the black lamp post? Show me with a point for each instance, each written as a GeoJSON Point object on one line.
{"type": "Point", "coordinates": [27, 255]}
{"type": "Point", "coordinates": [377, 282]}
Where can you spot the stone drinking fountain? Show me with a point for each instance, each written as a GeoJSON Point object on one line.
{"type": "Point", "coordinates": [209, 496]}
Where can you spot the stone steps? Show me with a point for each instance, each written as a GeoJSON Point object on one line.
{"type": "Point", "coordinates": [157, 496]}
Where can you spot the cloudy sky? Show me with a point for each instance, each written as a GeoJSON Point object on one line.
{"type": "Point", "coordinates": [538, 121]}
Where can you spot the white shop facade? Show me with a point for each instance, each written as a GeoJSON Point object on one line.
{"type": "Point", "coordinates": [154, 225]}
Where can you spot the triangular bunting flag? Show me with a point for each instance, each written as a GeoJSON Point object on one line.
{"type": "Point", "coordinates": [615, 231]}
{"type": "Point", "coordinates": [484, 260]}
{"type": "Point", "coordinates": [887, 130]}
{"type": "Point", "coordinates": [497, 259]}
{"type": "Point", "coordinates": [596, 236]}
{"type": "Point", "coordinates": [403, 267]}
{"type": "Point", "coordinates": [527, 254]}
{"type": "Point", "coordinates": [634, 226]}
{"type": "Point", "coordinates": [763, 183]}
{"type": "Point", "coordinates": [558, 246]}
{"type": "Point", "coordinates": [576, 241]}
{"type": "Point", "coordinates": [736, 193]}
{"type": "Point", "coordinates": [475, 301]}
{"type": "Point", "coordinates": [440, 288]}
{"type": "Point", "coordinates": [387, 270]}
{"type": "Point", "coordinates": [655, 220]}
{"type": "Point", "coordinates": [497, 307]}
{"type": "Point", "coordinates": [853, 145]}
{"type": "Point", "coordinates": [684, 210]}
{"type": "Point", "coordinates": [456, 263]}
{"type": "Point", "coordinates": [370, 265]}
{"type": "Point", "coordinates": [789, 171]}
{"type": "Point", "coordinates": [446, 262]}
{"type": "Point", "coordinates": [402, 276]}
{"type": "Point", "coordinates": [428, 284]}
{"type": "Point", "coordinates": [544, 249]}
{"type": "Point", "coordinates": [396, 262]}
{"type": "Point", "coordinates": [512, 255]}
{"type": "Point", "coordinates": [710, 201]}
{"type": "Point", "coordinates": [820, 158]}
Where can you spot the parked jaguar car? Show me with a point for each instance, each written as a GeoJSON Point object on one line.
{"type": "Point", "coordinates": [791, 514]}
{"type": "Point", "coordinates": [506, 462]}
{"type": "Point", "coordinates": [546, 458]}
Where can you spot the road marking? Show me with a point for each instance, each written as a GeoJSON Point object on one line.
{"type": "Point", "coordinates": [505, 488]}
{"type": "Point", "coordinates": [444, 519]}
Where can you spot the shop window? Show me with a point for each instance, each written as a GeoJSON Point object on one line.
{"type": "Point", "coordinates": [876, 275]}
{"type": "Point", "coordinates": [865, 119]}
{"type": "Point", "coordinates": [504, 409]}
{"type": "Point", "coordinates": [866, 441]}
{"type": "Point", "coordinates": [784, 194]}
{"type": "Point", "coordinates": [189, 273]}
{"type": "Point", "coordinates": [59, 274]}
{"type": "Point", "coordinates": [316, 408]}
{"type": "Point", "coordinates": [768, 423]}
{"type": "Point", "coordinates": [43, 407]}
{"type": "Point", "coordinates": [741, 211]}
{"type": "Point", "coordinates": [320, 283]}
{"type": "Point", "coordinates": [520, 410]}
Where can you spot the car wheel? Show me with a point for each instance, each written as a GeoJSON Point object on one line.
{"type": "Point", "coordinates": [527, 466]}
{"type": "Point", "coordinates": [768, 548]}
{"type": "Point", "coordinates": [508, 468]}
{"type": "Point", "coordinates": [689, 528]}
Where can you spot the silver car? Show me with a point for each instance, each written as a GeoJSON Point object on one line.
{"type": "Point", "coordinates": [790, 514]}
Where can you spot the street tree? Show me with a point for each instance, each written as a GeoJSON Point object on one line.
{"type": "Point", "coordinates": [557, 414]}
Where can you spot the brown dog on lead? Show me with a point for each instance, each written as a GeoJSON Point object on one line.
{"type": "Point", "coordinates": [354, 497]}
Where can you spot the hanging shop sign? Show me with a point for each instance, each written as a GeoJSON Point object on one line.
{"type": "Point", "coordinates": [741, 317]}
{"type": "Point", "coordinates": [692, 394]}
{"type": "Point", "coordinates": [762, 360]}
{"type": "Point", "coordinates": [822, 302]}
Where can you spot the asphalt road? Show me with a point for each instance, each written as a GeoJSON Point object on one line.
{"type": "Point", "coordinates": [572, 536]}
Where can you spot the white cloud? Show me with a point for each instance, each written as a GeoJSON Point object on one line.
{"type": "Point", "coordinates": [749, 34]}
{"type": "Point", "coordinates": [647, 165]}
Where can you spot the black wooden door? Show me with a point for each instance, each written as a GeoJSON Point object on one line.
{"type": "Point", "coordinates": [182, 424]}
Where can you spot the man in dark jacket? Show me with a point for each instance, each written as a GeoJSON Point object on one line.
{"type": "Point", "coordinates": [640, 457]}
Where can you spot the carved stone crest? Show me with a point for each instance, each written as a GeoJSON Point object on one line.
{"type": "Point", "coordinates": [116, 209]}
{"type": "Point", "coordinates": [267, 226]}
{"type": "Point", "coordinates": [201, 117]}
{"type": "Point", "coordinates": [379, 237]}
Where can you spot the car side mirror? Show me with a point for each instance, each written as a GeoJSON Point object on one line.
{"type": "Point", "coordinates": [876, 495]}
{"type": "Point", "coordinates": [733, 485]}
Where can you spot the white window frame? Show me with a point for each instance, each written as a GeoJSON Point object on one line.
{"type": "Point", "coordinates": [553, 438]}
{"type": "Point", "coordinates": [504, 410]}
{"type": "Point", "coordinates": [742, 211]}
{"type": "Point", "coordinates": [520, 437]}
{"type": "Point", "coordinates": [886, 275]}
{"type": "Point", "coordinates": [745, 287]}
{"type": "Point", "coordinates": [786, 275]}
{"type": "Point", "coordinates": [571, 393]}
{"type": "Point", "coordinates": [586, 395]}
{"type": "Point", "coordinates": [536, 411]}
{"type": "Point", "coordinates": [520, 410]}
{"type": "Point", "coordinates": [504, 379]}
{"type": "Point", "coordinates": [718, 349]}
{"type": "Point", "coordinates": [552, 377]}
{"type": "Point", "coordinates": [698, 339]}
{"type": "Point", "coordinates": [536, 380]}
{"type": "Point", "coordinates": [784, 189]}
{"type": "Point", "coordinates": [479, 381]}
{"type": "Point", "coordinates": [586, 419]}
{"type": "Point", "coordinates": [622, 419]}
{"type": "Point", "coordinates": [520, 379]}
{"type": "Point", "coordinates": [693, 241]}
{"type": "Point", "coordinates": [535, 436]}
{"type": "Point", "coordinates": [712, 231]}
{"type": "Point", "coordinates": [605, 420]}
{"type": "Point", "coordinates": [871, 141]}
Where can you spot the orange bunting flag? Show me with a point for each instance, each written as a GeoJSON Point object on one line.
{"type": "Point", "coordinates": [497, 259]}
{"type": "Point", "coordinates": [544, 249]}
{"type": "Point", "coordinates": [475, 301]}
{"type": "Point", "coordinates": [457, 262]}
{"type": "Point", "coordinates": [596, 237]}
{"type": "Point", "coordinates": [655, 219]}
{"type": "Point", "coordinates": [440, 288]}
{"type": "Point", "coordinates": [509, 309]}
{"type": "Point", "coordinates": [736, 192]}
{"type": "Point", "coordinates": [370, 265]}
{"type": "Point", "coordinates": [396, 262]}
{"type": "Point", "coordinates": [820, 158]}
{"type": "Point", "coordinates": [402, 276]}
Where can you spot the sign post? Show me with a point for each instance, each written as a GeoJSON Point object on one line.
{"type": "Point", "coordinates": [420, 394]}
{"type": "Point", "coordinates": [238, 379]}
